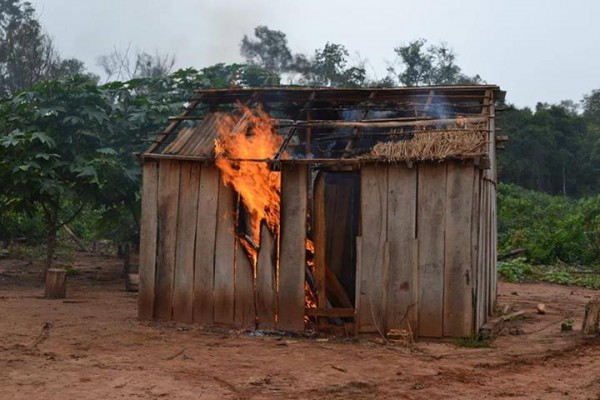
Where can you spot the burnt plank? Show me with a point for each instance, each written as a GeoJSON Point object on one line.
{"type": "Point", "coordinates": [224, 257]}
{"type": "Point", "coordinates": [148, 239]}
{"type": "Point", "coordinates": [401, 233]}
{"type": "Point", "coordinates": [431, 212]}
{"type": "Point", "coordinates": [206, 227]}
{"type": "Point", "coordinates": [458, 305]}
{"type": "Point", "coordinates": [320, 240]}
{"type": "Point", "coordinates": [266, 280]}
{"type": "Point", "coordinates": [245, 312]}
{"type": "Point", "coordinates": [294, 191]}
{"type": "Point", "coordinates": [168, 203]}
{"type": "Point", "coordinates": [373, 206]}
{"type": "Point", "coordinates": [183, 292]}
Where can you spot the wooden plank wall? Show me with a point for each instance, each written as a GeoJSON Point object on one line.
{"type": "Point", "coordinates": [192, 267]}
{"type": "Point", "coordinates": [425, 259]}
{"type": "Point", "coordinates": [420, 230]}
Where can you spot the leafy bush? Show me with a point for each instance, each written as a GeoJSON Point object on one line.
{"type": "Point", "coordinates": [517, 270]}
{"type": "Point", "coordinates": [551, 228]}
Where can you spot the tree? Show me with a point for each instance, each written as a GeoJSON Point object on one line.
{"type": "Point", "coordinates": [329, 67]}
{"type": "Point", "coordinates": [547, 150]}
{"type": "Point", "coordinates": [27, 54]}
{"type": "Point", "coordinates": [53, 155]}
{"type": "Point", "coordinates": [269, 50]}
{"type": "Point", "coordinates": [123, 65]}
{"type": "Point", "coordinates": [434, 65]}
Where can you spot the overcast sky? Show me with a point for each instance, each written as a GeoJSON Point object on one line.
{"type": "Point", "coordinates": [537, 50]}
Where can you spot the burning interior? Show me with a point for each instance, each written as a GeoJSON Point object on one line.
{"type": "Point", "coordinates": [287, 208]}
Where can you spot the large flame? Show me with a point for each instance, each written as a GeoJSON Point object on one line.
{"type": "Point", "coordinates": [244, 138]}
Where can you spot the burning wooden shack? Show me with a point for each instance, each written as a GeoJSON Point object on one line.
{"type": "Point", "coordinates": [287, 208]}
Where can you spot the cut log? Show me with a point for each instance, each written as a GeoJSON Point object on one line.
{"type": "Point", "coordinates": [56, 285]}
{"type": "Point", "coordinates": [591, 321]}
{"type": "Point", "coordinates": [132, 282]}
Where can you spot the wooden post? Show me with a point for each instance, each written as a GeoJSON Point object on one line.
{"type": "Point", "coordinates": [56, 285]}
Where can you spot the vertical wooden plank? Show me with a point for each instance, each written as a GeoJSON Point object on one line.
{"type": "Point", "coordinates": [168, 203]}
{"type": "Point", "coordinates": [357, 304]}
{"type": "Point", "coordinates": [494, 222]}
{"type": "Point", "coordinates": [148, 240]}
{"type": "Point", "coordinates": [265, 280]}
{"type": "Point", "coordinates": [206, 230]}
{"type": "Point", "coordinates": [401, 233]}
{"type": "Point", "coordinates": [458, 306]}
{"type": "Point", "coordinates": [224, 257]}
{"type": "Point", "coordinates": [245, 312]}
{"type": "Point", "coordinates": [475, 225]}
{"type": "Point", "coordinates": [373, 209]}
{"type": "Point", "coordinates": [319, 237]}
{"type": "Point", "coordinates": [485, 252]}
{"type": "Point", "coordinates": [292, 260]}
{"type": "Point", "coordinates": [431, 212]}
{"type": "Point", "coordinates": [494, 244]}
{"type": "Point", "coordinates": [481, 292]}
{"type": "Point", "coordinates": [183, 291]}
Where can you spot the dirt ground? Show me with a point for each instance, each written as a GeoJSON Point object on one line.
{"type": "Point", "coordinates": [91, 346]}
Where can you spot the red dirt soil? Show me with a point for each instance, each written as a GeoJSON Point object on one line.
{"type": "Point", "coordinates": [91, 346]}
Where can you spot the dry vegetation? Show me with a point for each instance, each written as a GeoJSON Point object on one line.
{"type": "Point", "coordinates": [436, 145]}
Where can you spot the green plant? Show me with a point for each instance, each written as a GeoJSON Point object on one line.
{"type": "Point", "coordinates": [474, 341]}
{"type": "Point", "coordinates": [516, 270]}
{"type": "Point", "coordinates": [566, 325]}
{"type": "Point", "coordinates": [72, 272]}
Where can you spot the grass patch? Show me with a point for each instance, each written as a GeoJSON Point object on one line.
{"type": "Point", "coordinates": [474, 342]}
{"type": "Point", "coordinates": [519, 270]}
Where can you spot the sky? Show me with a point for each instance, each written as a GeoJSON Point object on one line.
{"type": "Point", "coordinates": [536, 50]}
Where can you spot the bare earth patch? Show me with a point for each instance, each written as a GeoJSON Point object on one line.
{"type": "Point", "coordinates": [91, 346]}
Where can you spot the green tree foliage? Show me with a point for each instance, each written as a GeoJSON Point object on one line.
{"type": "Point", "coordinates": [551, 228]}
{"type": "Point", "coordinates": [27, 54]}
{"type": "Point", "coordinates": [328, 66]}
{"type": "Point", "coordinates": [433, 65]}
{"type": "Point", "coordinates": [269, 50]}
{"type": "Point", "coordinates": [53, 157]}
{"type": "Point", "coordinates": [551, 149]}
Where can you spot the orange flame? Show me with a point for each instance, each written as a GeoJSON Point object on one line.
{"type": "Point", "coordinates": [244, 138]}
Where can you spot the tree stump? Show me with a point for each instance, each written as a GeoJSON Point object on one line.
{"type": "Point", "coordinates": [132, 282]}
{"type": "Point", "coordinates": [591, 321]}
{"type": "Point", "coordinates": [56, 286]}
